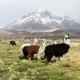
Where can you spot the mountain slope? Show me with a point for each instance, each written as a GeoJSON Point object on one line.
{"type": "Point", "coordinates": [43, 20]}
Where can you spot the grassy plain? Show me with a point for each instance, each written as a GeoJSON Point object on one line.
{"type": "Point", "coordinates": [14, 68]}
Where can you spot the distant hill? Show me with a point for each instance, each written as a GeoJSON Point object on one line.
{"type": "Point", "coordinates": [11, 34]}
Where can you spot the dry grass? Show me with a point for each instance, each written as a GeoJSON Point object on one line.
{"type": "Point", "coordinates": [14, 68]}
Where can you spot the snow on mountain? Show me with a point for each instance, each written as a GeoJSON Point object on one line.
{"type": "Point", "coordinates": [78, 21]}
{"type": "Point", "coordinates": [42, 19]}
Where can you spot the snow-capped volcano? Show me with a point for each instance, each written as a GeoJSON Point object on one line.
{"type": "Point", "coordinates": [41, 19]}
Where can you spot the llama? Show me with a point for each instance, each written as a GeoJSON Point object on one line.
{"type": "Point", "coordinates": [34, 42]}
{"type": "Point", "coordinates": [30, 50]}
{"type": "Point", "coordinates": [57, 50]}
{"type": "Point", "coordinates": [54, 41]}
{"type": "Point", "coordinates": [12, 43]}
{"type": "Point", "coordinates": [41, 49]}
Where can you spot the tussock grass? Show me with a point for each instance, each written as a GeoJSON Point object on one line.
{"type": "Point", "coordinates": [14, 68]}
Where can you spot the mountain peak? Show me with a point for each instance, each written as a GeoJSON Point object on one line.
{"type": "Point", "coordinates": [40, 10]}
{"type": "Point", "coordinates": [42, 19]}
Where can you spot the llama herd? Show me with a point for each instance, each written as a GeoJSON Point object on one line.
{"type": "Point", "coordinates": [55, 49]}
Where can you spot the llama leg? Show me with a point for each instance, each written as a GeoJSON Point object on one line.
{"type": "Point", "coordinates": [59, 59]}
{"type": "Point", "coordinates": [39, 57]}
{"type": "Point", "coordinates": [29, 56]}
{"type": "Point", "coordinates": [32, 56]}
{"type": "Point", "coordinates": [25, 55]}
{"type": "Point", "coordinates": [44, 57]}
{"type": "Point", "coordinates": [48, 59]}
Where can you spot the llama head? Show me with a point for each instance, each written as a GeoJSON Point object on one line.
{"type": "Point", "coordinates": [35, 40]}
{"type": "Point", "coordinates": [67, 39]}
{"type": "Point", "coordinates": [54, 41]}
{"type": "Point", "coordinates": [43, 42]}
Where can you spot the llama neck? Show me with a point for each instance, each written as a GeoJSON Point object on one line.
{"type": "Point", "coordinates": [43, 45]}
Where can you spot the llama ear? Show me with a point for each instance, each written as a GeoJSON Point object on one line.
{"type": "Point", "coordinates": [43, 40]}
{"type": "Point", "coordinates": [68, 34]}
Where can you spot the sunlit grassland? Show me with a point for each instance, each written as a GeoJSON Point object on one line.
{"type": "Point", "coordinates": [14, 68]}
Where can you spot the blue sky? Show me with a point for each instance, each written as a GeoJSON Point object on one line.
{"type": "Point", "coordinates": [11, 10]}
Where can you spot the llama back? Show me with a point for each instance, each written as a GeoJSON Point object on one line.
{"type": "Point", "coordinates": [57, 49]}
